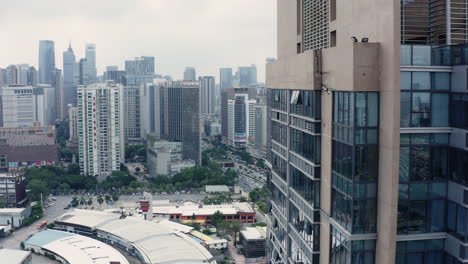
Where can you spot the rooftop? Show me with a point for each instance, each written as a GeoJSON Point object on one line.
{"type": "Point", "coordinates": [11, 210]}
{"type": "Point", "coordinates": [87, 218]}
{"type": "Point", "coordinates": [76, 249]}
{"type": "Point", "coordinates": [188, 209]}
{"type": "Point", "coordinates": [216, 188]}
{"type": "Point", "coordinates": [252, 233]}
{"type": "Point", "coordinates": [12, 256]}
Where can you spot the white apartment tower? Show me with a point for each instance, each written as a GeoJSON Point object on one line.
{"type": "Point", "coordinates": [100, 128]}
{"type": "Point", "coordinates": [240, 120]}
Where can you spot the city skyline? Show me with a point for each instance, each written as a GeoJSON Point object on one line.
{"type": "Point", "coordinates": [115, 44]}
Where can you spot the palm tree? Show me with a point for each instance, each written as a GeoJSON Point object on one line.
{"type": "Point", "coordinates": [75, 202]}
{"type": "Point", "coordinates": [108, 199]}
{"type": "Point", "coordinates": [90, 201]}
{"type": "Point", "coordinates": [82, 201]}
{"type": "Point", "coordinates": [100, 200]}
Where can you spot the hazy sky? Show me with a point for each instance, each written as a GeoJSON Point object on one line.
{"type": "Point", "coordinates": [206, 34]}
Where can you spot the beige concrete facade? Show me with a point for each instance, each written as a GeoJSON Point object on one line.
{"type": "Point", "coordinates": [350, 66]}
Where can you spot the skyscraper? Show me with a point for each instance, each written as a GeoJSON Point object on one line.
{"type": "Point", "coordinates": [190, 74]}
{"type": "Point", "coordinates": [225, 78]}
{"type": "Point", "coordinates": [139, 71]}
{"type": "Point", "coordinates": [45, 104]}
{"type": "Point", "coordinates": [247, 76]}
{"type": "Point", "coordinates": [226, 95]}
{"type": "Point", "coordinates": [90, 52]}
{"type": "Point", "coordinates": [100, 128]}
{"type": "Point", "coordinates": [69, 66]}
{"type": "Point", "coordinates": [60, 104]}
{"type": "Point", "coordinates": [46, 61]}
{"type": "Point", "coordinates": [183, 118]}
{"type": "Point", "coordinates": [207, 95]}
{"type": "Point", "coordinates": [358, 174]}
{"type": "Point", "coordinates": [154, 109]}
{"type": "Point", "coordinates": [240, 120]}
{"type": "Point", "coordinates": [132, 97]}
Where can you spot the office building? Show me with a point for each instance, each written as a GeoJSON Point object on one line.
{"type": "Point", "coordinates": [60, 104]}
{"type": "Point", "coordinates": [46, 61]}
{"type": "Point", "coordinates": [18, 106]}
{"type": "Point", "coordinates": [190, 74]}
{"type": "Point", "coordinates": [247, 76]}
{"type": "Point", "coordinates": [225, 78]}
{"type": "Point", "coordinates": [32, 77]}
{"type": "Point", "coordinates": [72, 126]}
{"type": "Point", "coordinates": [368, 153]}
{"type": "Point", "coordinates": [113, 74]}
{"type": "Point", "coordinates": [140, 71]}
{"type": "Point", "coordinates": [165, 157]}
{"type": "Point", "coordinates": [240, 121]}
{"type": "Point", "coordinates": [69, 81]}
{"type": "Point", "coordinates": [13, 189]}
{"type": "Point", "coordinates": [207, 95]}
{"type": "Point", "coordinates": [100, 128]}
{"type": "Point", "coordinates": [85, 72]}
{"type": "Point", "coordinates": [253, 240]}
{"type": "Point", "coordinates": [183, 118]}
{"type": "Point", "coordinates": [90, 53]}
{"type": "Point", "coordinates": [154, 108]}
{"type": "Point", "coordinates": [226, 95]}
{"type": "Point", "coordinates": [26, 146]}
{"type": "Point", "coordinates": [132, 113]}
{"type": "Point", "coordinates": [45, 99]}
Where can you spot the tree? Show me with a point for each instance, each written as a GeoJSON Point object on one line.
{"type": "Point", "coordinates": [115, 197]}
{"type": "Point", "coordinates": [108, 199]}
{"type": "Point", "coordinates": [217, 218]}
{"type": "Point", "coordinates": [90, 201]}
{"type": "Point", "coordinates": [82, 201]}
{"type": "Point", "coordinates": [75, 202]}
{"type": "Point", "coordinates": [234, 228]}
{"type": "Point", "coordinates": [36, 188]}
{"type": "Point", "coordinates": [100, 201]}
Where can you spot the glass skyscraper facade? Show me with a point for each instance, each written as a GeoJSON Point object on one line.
{"type": "Point", "coordinates": [46, 61]}
{"type": "Point", "coordinates": [368, 139]}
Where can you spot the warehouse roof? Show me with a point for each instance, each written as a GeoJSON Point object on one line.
{"type": "Point", "coordinates": [76, 249]}
{"type": "Point", "coordinates": [12, 256]}
{"type": "Point", "coordinates": [87, 218]}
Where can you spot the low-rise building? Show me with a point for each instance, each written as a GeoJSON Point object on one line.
{"type": "Point", "coordinates": [13, 256]}
{"type": "Point", "coordinates": [252, 242]}
{"type": "Point", "coordinates": [152, 242]}
{"type": "Point", "coordinates": [27, 146]}
{"type": "Point", "coordinates": [13, 189]}
{"type": "Point", "coordinates": [165, 157]}
{"type": "Point", "coordinates": [73, 249]}
{"type": "Point", "coordinates": [14, 217]}
{"type": "Point", "coordinates": [197, 213]}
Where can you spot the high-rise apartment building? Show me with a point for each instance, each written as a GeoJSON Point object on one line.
{"type": "Point", "coordinates": [90, 53]}
{"type": "Point", "coordinates": [46, 61]}
{"type": "Point", "coordinates": [100, 128]}
{"type": "Point", "coordinates": [60, 104]}
{"type": "Point", "coordinates": [183, 118]}
{"type": "Point", "coordinates": [225, 78]}
{"type": "Point", "coordinates": [240, 120]}
{"type": "Point", "coordinates": [367, 120]}
{"type": "Point", "coordinates": [154, 108]}
{"type": "Point", "coordinates": [207, 95]}
{"type": "Point", "coordinates": [259, 139]}
{"type": "Point", "coordinates": [69, 82]}
{"type": "Point", "coordinates": [45, 99]}
{"type": "Point", "coordinates": [190, 74]}
{"type": "Point", "coordinates": [73, 126]}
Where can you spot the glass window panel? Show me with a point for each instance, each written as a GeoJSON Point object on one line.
{"type": "Point", "coordinates": [372, 109]}
{"type": "Point", "coordinates": [404, 164]}
{"type": "Point", "coordinates": [422, 55]}
{"type": "Point", "coordinates": [421, 120]}
{"type": "Point", "coordinates": [440, 110]}
{"type": "Point", "coordinates": [405, 105]}
{"type": "Point", "coordinates": [402, 216]}
{"type": "Point", "coordinates": [415, 245]}
{"type": "Point", "coordinates": [403, 191]}
{"type": "Point", "coordinates": [437, 221]}
{"type": "Point", "coordinates": [421, 102]}
{"type": "Point", "coordinates": [438, 190]}
{"type": "Point", "coordinates": [405, 55]}
{"type": "Point", "coordinates": [435, 258]}
{"type": "Point", "coordinates": [451, 216]}
{"type": "Point", "coordinates": [420, 163]}
{"type": "Point", "coordinates": [421, 81]}
{"type": "Point", "coordinates": [440, 138]}
{"type": "Point", "coordinates": [405, 80]}
{"type": "Point", "coordinates": [360, 111]}
{"type": "Point", "coordinates": [461, 218]}
{"type": "Point", "coordinates": [415, 258]}
{"type": "Point", "coordinates": [418, 190]}
{"type": "Point", "coordinates": [441, 81]}
{"type": "Point", "coordinates": [372, 136]}
{"type": "Point", "coordinates": [417, 217]}
{"type": "Point", "coordinates": [420, 139]}
{"type": "Point", "coordinates": [405, 139]}
{"type": "Point", "coordinates": [435, 244]}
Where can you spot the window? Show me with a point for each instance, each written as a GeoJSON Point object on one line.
{"type": "Point", "coordinates": [333, 38]}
